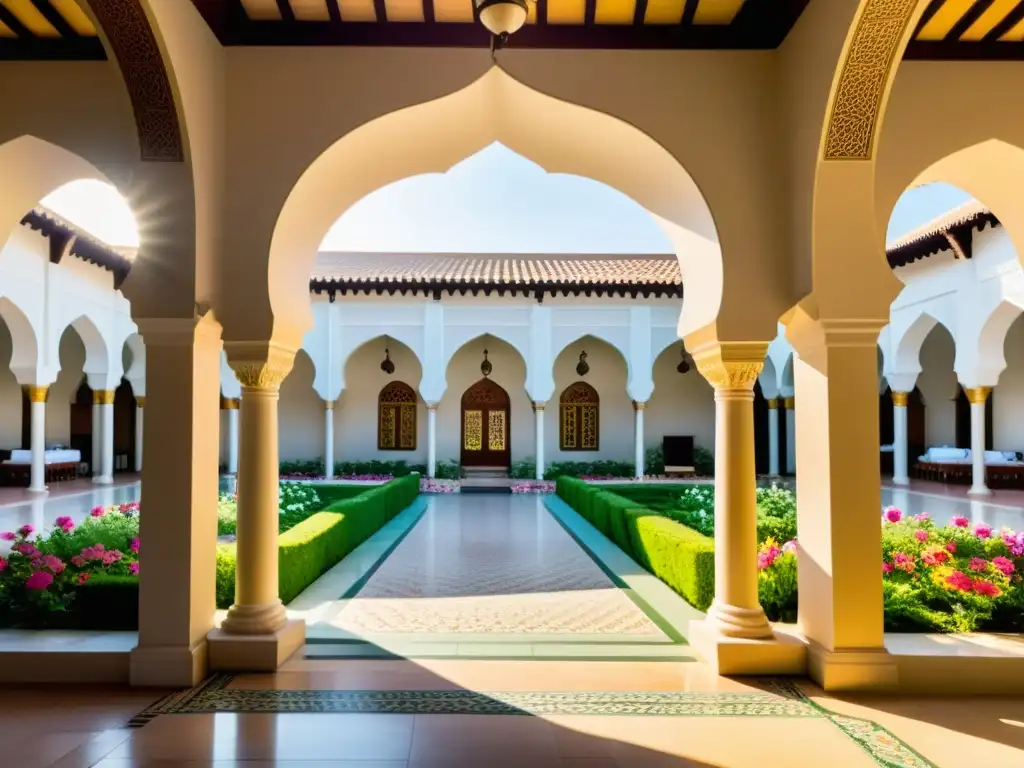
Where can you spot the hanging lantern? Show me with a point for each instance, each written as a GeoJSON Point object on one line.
{"type": "Point", "coordinates": [501, 17]}
{"type": "Point", "coordinates": [684, 364]}
{"type": "Point", "coordinates": [386, 365]}
{"type": "Point", "coordinates": [582, 368]}
{"type": "Point", "coordinates": [485, 366]}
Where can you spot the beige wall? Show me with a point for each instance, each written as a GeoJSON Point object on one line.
{"type": "Point", "coordinates": [939, 387]}
{"type": "Point", "coordinates": [682, 404]}
{"type": "Point", "coordinates": [301, 413]}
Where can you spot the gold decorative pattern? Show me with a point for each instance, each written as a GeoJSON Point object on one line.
{"type": "Point", "coordinates": [863, 78]}
{"type": "Point", "coordinates": [396, 422]}
{"type": "Point", "coordinates": [260, 376]}
{"type": "Point", "coordinates": [407, 427]}
{"type": "Point", "coordinates": [579, 408]}
{"type": "Point", "coordinates": [36, 394]}
{"type": "Point", "coordinates": [638, 406]}
{"type": "Point", "coordinates": [103, 397]}
{"type": "Point", "coordinates": [328, 405]}
{"type": "Point", "coordinates": [789, 403]}
{"type": "Point", "coordinates": [773, 403]}
{"type": "Point", "coordinates": [726, 374]}
{"type": "Point", "coordinates": [386, 428]}
{"type": "Point", "coordinates": [900, 399]}
{"type": "Point", "coordinates": [140, 401]}
{"type": "Point", "coordinates": [496, 430]}
{"type": "Point", "coordinates": [473, 430]}
{"type": "Point", "coordinates": [538, 407]}
{"type": "Point", "coordinates": [977, 395]}
{"type": "Point", "coordinates": [230, 403]}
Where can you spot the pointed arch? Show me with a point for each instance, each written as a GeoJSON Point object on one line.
{"type": "Point", "coordinates": [399, 341]}
{"type": "Point", "coordinates": [907, 347]}
{"type": "Point", "coordinates": [396, 417]}
{"type": "Point", "coordinates": [98, 362]}
{"type": "Point", "coordinates": [579, 418]}
{"type": "Point", "coordinates": [24, 340]}
{"type": "Point", "coordinates": [463, 336]}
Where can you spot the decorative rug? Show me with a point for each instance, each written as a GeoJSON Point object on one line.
{"type": "Point", "coordinates": [777, 698]}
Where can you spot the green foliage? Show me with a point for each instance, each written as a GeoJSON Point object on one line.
{"type": "Point", "coordinates": [679, 556]}
{"type": "Point", "coordinates": [703, 461]}
{"type": "Point", "coordinates": [523, 469]}
{"type": "Point", "coordinates": [114, 530]}
{"type": "Point", "coordinates": [303, 467]}
{"type": "Point", "coordinates": [377, 468]}
{"type": "Point", "coordinates": [317, 543]}
{"type": "Point", "coordinates": [601, 468]}
{"type": "Point", "coordinates": [296, 501]}
{"type": "Point", "coordinates": [777, 581]}
{"type": "Point", "coordinates": [654, 461]}
{"type": "Point", "coordinates": [448, 469]}
{"type": "Point", "coordinates": [332, 492]}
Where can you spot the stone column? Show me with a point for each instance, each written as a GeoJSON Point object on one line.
{"type": "Point", "coordinates": [431, 440]}
{"type": "Point", "coordinates": [328, 438]}
{"type": "Point", "coordinates": [103, 422]}
{"type": "Point", "coordinates": [899, 439]}
{"type": "Point", "coordinates": [789, 404]}
{"type": "Point", "coordinates": [256, 633]}
{"type": "Point", "coordinates": [140, 409]}
{"type": "Point", "coordinates": [735, 613]}
{"type": "Point", "coordinates": [977, 396]}
{"type": "Point", "coordinates": [179, 493]}
{"type": "Point", "coordinates": [837, 480]}
{"type": "Point", "coordinates": [538, 439]}
{"type": "Point", "coordinates": [96, 461]}
{"type": "Point", "coordinates": [638, 439]}
{"type": "Point", "coordinates": [230, 404]}
{"type": "Point", "coordinates": [37, 414]}
{"type": "Point", "coordinates": [773, 436]}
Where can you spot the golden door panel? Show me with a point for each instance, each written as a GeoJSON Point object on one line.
{"type": "Point", "coordinates": [496, 431]}
{"type": "Point", "coordinates": [386, 428]}
{"type": "Point", "coordinates": [473, 430]}
{"type": "Point", "coordinates": [407, 427]}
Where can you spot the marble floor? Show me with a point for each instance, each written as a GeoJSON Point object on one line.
{"type": "Point", "coordinates": [1001, 509]}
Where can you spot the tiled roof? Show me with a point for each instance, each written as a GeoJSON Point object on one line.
{"type": "Point", "coordinates": [934, 236]}
{"type": "Point", "coordinates": [497, 269]}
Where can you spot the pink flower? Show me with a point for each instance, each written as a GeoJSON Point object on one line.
{"type": "Point", "coordinates": [82, 578]}
{"type": "Point", "coordinates": [959, 581]}
{"type": "Point", "coordinates": [39, 580]}
{"type": "Point", "coordinates": [922, 517]}
{"type": "Point", "coordinates": [790, 546]}
{"type": "Point", "coordinates": [892, 514]}
{"type": "Point", "coordinates": [987, 588]}
{"type": "Point", "coordinates": [982, 531]}
{"type": "Point", "coordinates": [3, 564]}
{"type": "Point", "coordinates": [1009, 537]}
{"type": "Point", "coordinates": [78, 561]}
{"type": "Point", "coordinates": [54, 563]}
{"type": "Point", "coordinates": [65, 523]}
{"type": "Point", "coordinates": [978, 564]}
{"type": "Point", "coordinates": [951, 547]}
{"type": "Point", "coordinates": [887, 567]}
{"type": "Point", "coordinates": [26, 530]}
{"type": "Point", "coordinates": [135, 544]}
{"type": "Point", "coordinates": [7, 536]}
{"type": "Point", "coordinates": [935, 556]}
{"type": "Point", "coordinates": [921, 535]}
{"type": "Point", "coordinates": [97, 511]}
{"type": "Point", "coordinates": [111, 557]}
{"type": "Point", "coordinates": [27, 549]}
{"type": "Point", "coordinates": [960, 521]}
{"type": "Point", "coordinates": [134, 568]}
{"type": "Point", "coordinates": [904, 562]}
{"type": "Point", "coordinates": [1004, 564]}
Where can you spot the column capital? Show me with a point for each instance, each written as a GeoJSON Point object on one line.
{"type": "Point", "coordinates": [789, 403]}
{"type": "Point", "coordinates": [731, 365]}
{"type": "Point", "coordinates": [260, 365]}
{"type": "Point", "coordinates": [900, 399]}
{"type": "Point", "coordinates": [773, 403]}
{"type": "Point", "coordinates": [328, 405]}
{"type": "Point", "coordinates": [639, 405]}
{"type": "Point", "coordinates": [977, 395]}
{"type": "Point", "coordinates": [431, 407]}
{"type": "Point", "coordinates": [36, 394]}
{"type": "Point", "coordinates": [229, 403]}
{"type": "Point", "coordinates": [140, 401]}
{"type": "Point", "coordinates": [103, 397]}
{"type": "Point", "coordinates": [538, 407]}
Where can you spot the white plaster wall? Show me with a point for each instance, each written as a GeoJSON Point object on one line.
{"type": "Point", "coordinates": [302, 410]}
{"type": "Point", "coordinates": [608, 376]}
{"type": "Point", "coordinates": [355, 412]}
{"type": "Point", "coordinates": [10, 396]}
{"type": "Point", "coordinates": [682, 404]}
{"type": "Point", "coordinates": [1008, 396]}
{"type": "Point", "coordinates": [938, 385]}
{"type": "Point", "coordinates": [64, 389]}
{"type": "Point", "coordinates": [509, 371]}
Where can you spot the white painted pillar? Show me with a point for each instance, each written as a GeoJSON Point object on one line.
{"type": "Point", "coordinates": [773, 436]}
{"type": "Point", "coordinates": [538, 436]}
{"type": "Point", "coordinates": [97, 437]}
{"type": "Point", "coordinates": [230, 404]}
{"type": "Point", "coordinates": [977, 396]}
{"type": "Point", "coordinates": [638, 438]}
{"type": "Point", "coordinates": [790, 404]}
{"type": "Point", "coordinates": [900, 475]}
{"type": "Point", "coordinates": [140, 409]}
{"type": "Point", "coordinates": [37, 413]}
{"type": "Point", "coordinates": [328, 438]}
{"type": "Point", "coordinates": [431, 441]}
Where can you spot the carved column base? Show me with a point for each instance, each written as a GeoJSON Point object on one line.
{"type": "Point", "coordinates": [255, 619]}
{"type": "Point", "coordinates": [731, 621]}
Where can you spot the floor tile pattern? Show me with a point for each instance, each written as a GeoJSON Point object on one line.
{"type": "Point", "coordinates": [497, 565]}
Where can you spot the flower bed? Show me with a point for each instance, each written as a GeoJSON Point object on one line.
{"type": "Point", "coordinates": [951, 578]}
{"type": "Point", "coordinates": [532, 486]}
{"type": "Point", "coordinates": [429, 485]}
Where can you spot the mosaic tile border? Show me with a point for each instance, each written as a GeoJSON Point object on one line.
{"type": "Point", "coordinates": [778, 698]}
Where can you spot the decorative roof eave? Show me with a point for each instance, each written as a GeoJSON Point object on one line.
{"type": "Point", "coordinates": [65, 239]}
{"type": "Point", "coordinates": [534, 289]}
{"type": "Point", "coordinates": [951, 231]}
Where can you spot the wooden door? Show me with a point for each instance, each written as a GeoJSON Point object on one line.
{"type": "Point", "coordinates": [485, 426]}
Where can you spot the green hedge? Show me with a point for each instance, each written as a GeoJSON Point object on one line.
{"type": "Point", "coordinates": [681, 557]}
{"type": "Point", "coordinates": [315, 545]}
{"type": "Point", "coordinates": [329, 493]}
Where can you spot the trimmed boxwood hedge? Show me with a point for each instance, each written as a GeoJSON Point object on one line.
{"type": "Point", "coordinates": [319, 542]}
{"type": "Point", "coordinates": [681, 557]}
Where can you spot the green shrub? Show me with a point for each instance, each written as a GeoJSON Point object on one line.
{"type": "Point", "coordinates": [375, 467]}
{"type": "Point", "coordinates": [448, 469]}
{"type": "Point", "coordinates": [654, 461]}
{"type": "Point", "coordinates": [601, 468]}
{"type": "Point", "coordinates": [305, 467]}
{"type": "Point", "coordinates": [523, 469]}
{"type": "Point", "coordinates": [703, 461]}
{"type": "Point", "coordinates": [679, 556]}
{"type": "Point", "coordinates": [332, 492]}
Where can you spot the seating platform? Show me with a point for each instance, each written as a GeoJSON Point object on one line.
{"type": "Point", "coordinates": [60, 464]}
{"type": "Point", "coordinates": [945, 464]}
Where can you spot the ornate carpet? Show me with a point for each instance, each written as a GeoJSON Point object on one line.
{"type": "Point", "coordinates": [775, 698]}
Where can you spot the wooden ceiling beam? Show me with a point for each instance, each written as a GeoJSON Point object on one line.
{"type": "Point", "coordinates": [428, 11]}
{"type": "Point", "coordinates": [53, 16]}
{"type": "Point", "coordinates": [1009, 22]}
{"type": "Point", "coordinates": [334, 11]}
{"type": "Point", "coordinates": [287, 12]}
{"type": "Point", "coordinates": [689, 11]}
{"type": "Point", "coordinates": [381, 10]}
{"type": "Point", "coordinates": [972, 15]}
{"type": "Point", "coordinates": [14, 23]}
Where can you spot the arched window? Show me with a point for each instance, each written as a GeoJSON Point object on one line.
{"type": "Point", "coordinates": [578, 418]}
{"type": "Point", "coordinates": [396, 417]}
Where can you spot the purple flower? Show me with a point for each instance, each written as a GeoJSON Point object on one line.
{"type": "Point", "coordinates": [39, 580]}
{"type": "Point", "coordinates": [134, 568]}
{"type": "Point", "coordinates": [65, 523]}
{"type": "Point", "coordinates": [7, 536]}
{"type": "Point", "coordinates": [922, 517]}
{"type": "Point", "coordinates": [26, 530]}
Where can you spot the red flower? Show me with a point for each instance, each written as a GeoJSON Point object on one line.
{"type": "Point", "coordinates": [987, 588]}
{"type": "Point", "coordinates": [959, 581]}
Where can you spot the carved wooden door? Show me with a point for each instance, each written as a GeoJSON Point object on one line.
{"type": "Point", "coordinates": [485, 426]}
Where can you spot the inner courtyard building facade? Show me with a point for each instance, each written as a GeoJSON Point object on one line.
{"type": "Point", "coordinates": [771, 168]}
